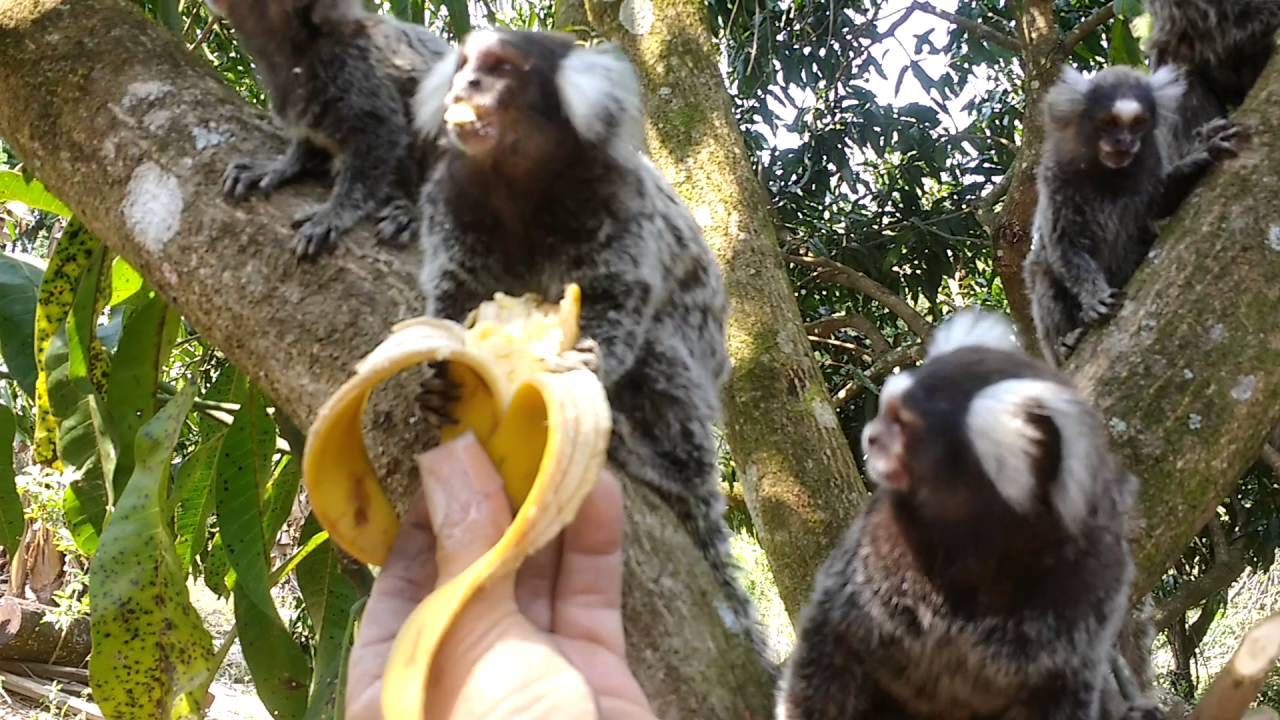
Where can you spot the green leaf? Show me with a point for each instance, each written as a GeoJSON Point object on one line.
{"type": "Point", "coordinates": [84, 442]}
{"type": "Point", "coordinates": [125, 281]}
{"type": "Point", "coordinates": [1128, 9]}
{"type": "Point", "coordinates": [280, 496]}
{"type": "Point", "coordinates": [459, 15]}
{"type": "Point", "coordinates": [19, 286]}
{"type": "Point", "coordinates": [1124, 48]}
{"type": "Point", "coordinates": [194, 500]}
{"type": "Point", "coordinates": [30, 193]}
{"type": "Point", "coordinates": [329, 598]}
{"type": "Point", "coordinates": [281, 670]}
{"type": "Point", "coordinates": [11, 521]}
{"type": "Point", "coordinates": [145, 343]}
{"type": "Point", "coordinates": [57, 293]}
{"type": "Point", "coordinates": [150, 650]}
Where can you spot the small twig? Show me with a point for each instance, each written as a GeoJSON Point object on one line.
{"type": "Point", "coordinates": [973, 27]}
{"type": "Point", "coordinates": [1271, 456]}
{"type": "Point", "coordinates": [882, 367]}
{"type": "Point", "coordinates": [861, 324]}
{"type": "Point", "coordinates": [1100, 17]}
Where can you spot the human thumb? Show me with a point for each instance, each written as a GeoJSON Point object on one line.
{"type": "Point", "coordinates": [466, 502]}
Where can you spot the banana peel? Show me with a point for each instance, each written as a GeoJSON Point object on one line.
{"type": "Point", "coordinates": [544, 423]}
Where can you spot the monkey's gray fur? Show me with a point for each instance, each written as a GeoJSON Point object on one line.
{"type": "Point", "coordinates": [988, 576]}
{"type": "Point", "coordinates": [547, 187]}
{"type": "Point", "coordinates": [1221, 46]}
{"type": "Point", "coordinates": [341, 81]}
{"type": "Point", "coordinates": [1103, 182]}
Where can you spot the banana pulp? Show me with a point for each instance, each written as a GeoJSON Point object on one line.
{"type": "Point", "coordinates": [545, 426]}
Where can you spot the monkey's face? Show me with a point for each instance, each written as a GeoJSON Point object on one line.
{"type": "Point", "coordinates": [1121, 122]}
{"type": "Point", "coordinates": [502, 100]}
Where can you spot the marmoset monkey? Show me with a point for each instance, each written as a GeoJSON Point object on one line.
{"type": "Point", "coordinates": [988, 576]}
{"type": "Point", "coordinates": [1221, 47]}
{"type": "Point", "coordinates": [341, 81]}
{"type": "Point", "coordinates": [540, 182]}
{"type": "Point", "coordinates": [1103, 182]}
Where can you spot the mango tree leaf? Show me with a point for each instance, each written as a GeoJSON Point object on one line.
{"type": "Point", "coordinates": [1128, 9]}
{"type": "Point", "coordinates": [126, 282]}
{"type": "Point", "coordinates": [84, 442]}
{"type": "Point", "coordinates": [11, 521]}
{"type": "Point", "coordinates": [150, 651]}
{"type": "Point", "coordinates": [1124, 48]}
{"type": "Point", "coordinates": [279, 499]}
{"type": "Point", "coordinates": [281, 670]}
{"type": "Point", "coordinates": [30, 193]}
{"type": "Point", "coordinates": [193, 500]}
{"type": "Point", "coordinates": [87, 356]}
{"type": "Point", "coordinates": [19, 285]}
{"type": "Point", "coordinates": [57, 292]}
{"type": "Point", "coordinates": [329, 598]}
{"type": "Point", "coordinates": [148, 336]}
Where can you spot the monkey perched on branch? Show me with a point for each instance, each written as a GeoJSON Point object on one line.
{"type": "Point", "coordinates": [1103, 182]}
{"type": "Point", "coordinates": [988, 576]}
{"type": "Point", "coordinates": [1221, 47]}
{"type": "Point", "coordinates": [340, 80]}
{"type": "Point", "coordinates": [540, 182]}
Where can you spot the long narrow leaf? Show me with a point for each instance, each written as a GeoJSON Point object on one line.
{"type": "Point", "coordinates": [281, 670]}
{"type": "Point", "coordinates": [148, 337]}
{"type": "Point", "coordinates": [57, 293]}
{"type": "Point", "coordinates": [329, 598]}
{"type": "Point", "coordinates": [193, 500]}
{"type": "Point", "coordinates": [11, 522]}
{"type": "Point", "coordinates": [150, 650]}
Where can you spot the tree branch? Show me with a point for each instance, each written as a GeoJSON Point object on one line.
{"type": "Point", "coordinates": [898, 357]}
{"type": "Point", "coordinates": [1100, 17]}
{"type": "Point", "coordinates": [973, 27]}
{"type": "Point", "coordinates": [1227, 567]}
{"type": "Point", "coordinates": [831, 271]}
{"type": "Point", "coordinates": [827, 327]}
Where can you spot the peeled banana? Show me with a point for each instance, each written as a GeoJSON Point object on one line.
{"type": "Point", "coordinates": [544, 422]}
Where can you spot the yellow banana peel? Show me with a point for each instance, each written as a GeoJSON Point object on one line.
{"type": "Point", "coordinates": [544, 424]}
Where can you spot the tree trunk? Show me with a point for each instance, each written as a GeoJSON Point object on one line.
{"type": "Point", "coordinates": [24, 635]}
{"type": "Point", "coordinates": [1188, 373]}
{"type": "Point", "coordinates": [798, 474]}
{"type": "Point", "coordinates": [133, 133]}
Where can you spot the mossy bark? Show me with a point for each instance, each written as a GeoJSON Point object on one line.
{"type": "Point", "coordinates": [133, 133]}
{"type": "Point", "coordinates": [800, 481]}
{"type": "Point", "coordinates": [1188, 373]}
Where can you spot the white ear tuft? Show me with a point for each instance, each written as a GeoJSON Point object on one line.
{"type": "Point", "coordinates": [600, 94]}
{"type": "Point", "coordinates": [1007, 444]}
{"type": "Point", "coordinates": [428, 102]}
{"type": "Point", "coordinates": [972, 328]}
{"type": "Point", "coordinates": [1168, 87]}
{"type": "Point", "coordinates": [1065, 100]}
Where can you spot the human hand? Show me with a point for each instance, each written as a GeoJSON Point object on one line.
{"type": "Point", "coordinates": [547, 643]}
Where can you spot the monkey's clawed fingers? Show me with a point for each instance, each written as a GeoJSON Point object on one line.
{"type": "Point", "coordinates": [1221, 138]}
{"type": "Point", "coordinates": [1102, 307]}
{"type": "Point", "coordinates": [318, 230]}
{"type": "Point", "coordinates": [246, 176]}
{"type": "Point", "coordinates": [584, 355]}
{"type": "Point", "coordinates": [436, 395]}
{"type": "Point", "coordinates": [397, 223]}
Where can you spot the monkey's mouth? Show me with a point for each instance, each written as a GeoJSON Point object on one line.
{"type": "Point", "coordinates": [1117, 159]}
{"type": "Point", "coordinates": [469, 128]}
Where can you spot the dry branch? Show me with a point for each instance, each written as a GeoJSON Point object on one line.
{"type": "Point", "coordinates": [1100, 17]}
{"type": "Point", "coordinates": [863, 325]}
{"type": "Point", "coordinates": [48, 692]}
{"type": "Point", "coordinates": [971, 26]}
{"type": "Point", "coordinates": [1238, 683]}
{"type": "Point", "coordinates": [829, 270]}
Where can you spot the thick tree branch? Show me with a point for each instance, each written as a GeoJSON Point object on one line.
{"type": "Point", "coordinates": [114, 115]}
{"type": "Point", "coordinates": [971, 26]}
{"type": "Point", "coordinates": [829, 270]}
{"type": "Point", "coordinates": [1226, 569]}
{"type": "Point", "coordinates": [1100, 17]}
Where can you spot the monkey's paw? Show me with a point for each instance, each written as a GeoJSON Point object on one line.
{"type": "Point", "coordinates": [1068, 343]}
{"type": "Point", "coordinates": [585, 355]}
{"type": "Point", "coordinates": [397, 223]}
{"type": "Point", "coordinates": [1221, 139]}
{"type": "Point", "coordinates": [318, 229]}
{"type": "Point", "coordinates": [1101, 307]}
{"type": "Point", "coordinates": [246, 176]}
{"type": "Point", "coordinates": [436, 395]}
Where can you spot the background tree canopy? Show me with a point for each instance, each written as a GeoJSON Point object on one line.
{"type": "Point", "coordinates": [889, 146]}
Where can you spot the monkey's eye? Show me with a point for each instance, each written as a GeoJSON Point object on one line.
{"type": "Point", "coordinates": [1140, 123]}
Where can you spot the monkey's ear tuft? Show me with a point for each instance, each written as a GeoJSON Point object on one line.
{"type": "Point", "coordinates": [1026, 432]}
{"type": "Point", "coordinates": [972, 328]}
{"type": "Point", "coordinates": [428, 102]}
{"type": "Point", "coordinates": [1066, 98]}
{"type": "Point", "coordinates": [600, 94]}
{"type": "Point", "coordinates": [1168, 87]}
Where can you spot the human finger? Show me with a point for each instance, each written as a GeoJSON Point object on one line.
{"type": "Point", "coordinates": [466, 502]}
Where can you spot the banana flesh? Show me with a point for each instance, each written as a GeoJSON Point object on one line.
{"type": "Point", "coordinates": [544, 424]}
